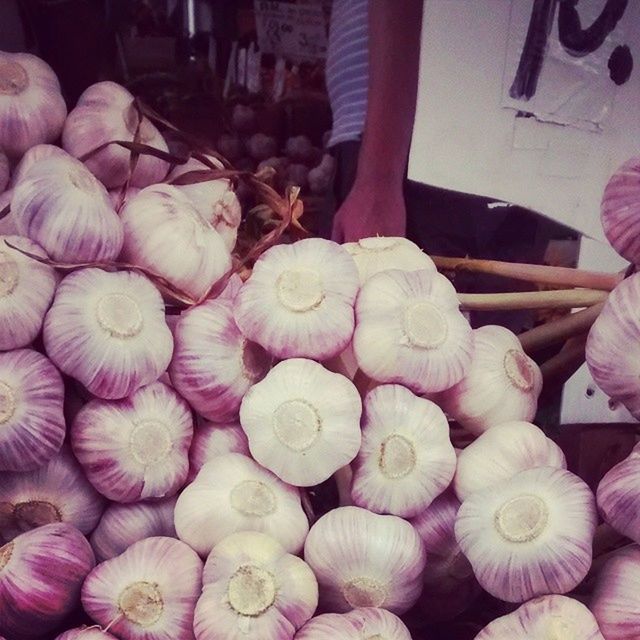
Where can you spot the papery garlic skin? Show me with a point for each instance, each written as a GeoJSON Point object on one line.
{"type": "Point", "coordinates": [254, 588]}
{"type": "Point", "coordinates": [616, 598]}
{"type": "Point", "coordinates": [545, 618]}
{"type": "Point", "coordinates": [108, 331]}
{"type": "Point", "coordinates": [406, 458]}
{"type": "Point", "coordinates": [32, 109]}
{"type": "Point", "coordinates": [8, 223]}
{"type": "Point", "coordinates": [104, 113]}
{"type": "Point", "coordinates": [298, 301]}
{"type": "Point", "coordinates": [33, 156]}
{"type": "Point", "coordinates": [213, 365]}
{"type": "Point", "coordinates": [62, 207]}
{"type": "Point", "coordinates": [117, 199]}
{"type": "Point", "coordinates": [530, 535]}
{"type": "Point", "coordinates": [55, 492]}
{"type": "Point", "coordinates": [85, 633]}
{"type": "Point", "coordinates": [41, 572]}
{"type": "Point", "coordinates": [26, 291]}
{"type": "Point", "coordinates": [500, 453]}
{"type": "Point", "coordinates": [135, 448]}
{"type": "Point", "coordinates": [302, 421]}
{"type": "Point", "coordinates": [32, 425]}
{"type": "Point", "coordinates": [4, 171]}
{"type": "Point", "coordinates": [365, 622]}
{"type": "Point", "coordinates": [410, 330]}
{"type": "Point", "coordinates": [148, 592]}
{"type": "Point", "coordinates": [123, 524]}
{"type": "Point", "coordinates": [362, 559]}
{"type": "Point", "coordinates": [166, 234]}
{"type": "Point", "coordinates": [501, 385]}
{"type": "Point", "coordinates": [233, 493]}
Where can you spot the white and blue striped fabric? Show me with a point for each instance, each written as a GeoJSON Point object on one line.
{"type": "Point", "coordinates": [347, 70]}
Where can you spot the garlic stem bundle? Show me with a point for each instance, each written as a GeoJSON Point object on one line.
{"type": "Point", "coordinates": [500, 453]}
{"type": "Point", "coordinates": [33, 156]}
{"type": "Point", "coordinates": [41, 573]}
{"type": "Point", "coordinates": [362, 559]}
{"type": "Point", "coordinates": [106, 112]}
{"type": "Point", "coordinates": [4, 171]}
{"type": "Point", "coordinates": [302, 421]}
{"type": "Point", "coordinates": [55, 492]}
{"type": "Point", "coordinates": [406, 458]}
{"type": "Point", "coordinates": [213, 365]}
{"type": "Point", "coordinates": [530, 535]}
{"type": "Point", "coordinates": [123, 524]}
{"type": "Point", "coordinates": [135, 448]}
{"type": "Point", "coordinates": [367, 622]}
{"type": "Point", "coordinates": [32, 426]}
{"type": "Point", "coordinates": [149, 592]}
{"type": "Point", "coordinates": [253, 588]}
{"type": "Point", "coordinates": [166, 234]}
{"type": "Point", "coordinates": [85, 633]}
{"type": "Point", "coordinates": [410, 330]}
{"type": "Point", "coordinates": [108, 331]}
{"type": "Point", "coordinates": [233, 493]}
{"type": "Point", "coordinates": [501, 385]}
{"type": "Point", "coordinates": [298, 301]}
{"type": "Point", "coordinates": [32, 109]}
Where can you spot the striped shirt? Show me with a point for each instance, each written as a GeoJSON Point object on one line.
{"type": "Point", "coordinates": [347, 70]}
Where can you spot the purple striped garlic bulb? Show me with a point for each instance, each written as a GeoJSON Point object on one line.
{"type": "Point", "coordinates": [233, 493]}
{"type": "Point", "coordinates": [302, 421]}
{"type": "Point", "coordinates": [213, 364]}
{"type": "Point", "coordinates": [32, 426]}
{"type": "Point", "coordinates": [362, 559]}
{"type": "Point", "coordinates": [500, 453]}
{"type": "Point", "coordinates": [33, 156]}
{"type": "Point", "coordinates": [26, 291]}
{"type": "Point", "coordinates": [410, 330]}
{"type": "Point", "coordinates": [85, 633]}
{"type": "Point", "coordinates": [108, 331]}
{"type": "Point", "coordinates": [406, 458]}
{"type": "Point", "coordinates": [298, 301]}
{"type": "Point", "coordinates": [106, 112]}
{"type": "Point", "coordinates": [545, 618]}
{"type": "Point", "coordinates": [41, 573]}
{"type": "Point", "coordinates": [367, 622]}
{"type": "Point", "coordinates": [166, 234]}
{"type": "Point", "coordinates": [32, 109]}
{"type": "Point", "coordinates": [149, 592]}
{"type": "Point", "coordinates": [501, 385]}
{"type": "Point", "coordinates": [4, 171]}
{"type": "Point", "coordinates": [253, 588]}
{"type": "Point", "coordinates": [530, 535]}
{"type": "Point", "coordinates": [63, 208]}
{"type": "Point", "coordinates": [135, 448]}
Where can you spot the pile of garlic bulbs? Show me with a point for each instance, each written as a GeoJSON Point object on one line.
{"type": "Point", "coordinates": [159, 473]}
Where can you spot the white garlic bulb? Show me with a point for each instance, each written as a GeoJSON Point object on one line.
{"type": "Point", "coordinates": [33, 156]}
{"type": "Point", "coordinates": [4, 171]}
{"type": "Point", "coordinates": [366, 622]}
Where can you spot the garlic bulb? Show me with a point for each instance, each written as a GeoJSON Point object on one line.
{"type": "Point", "coordinates": [62, 207]}
{"type": "Point", "coordinates": [123, 524]}
{"type": "Point", "coordinates": [211, 440]}
{"type": "Point", "coordinates": [32, 426]}
{"type": "Point", "coordinates": [233, 493]}
{"type": "Point", "coordinates": [41, 572]}
{"type": "Point", "coordinates": [501, 385]}
{"type": "Point", "coordinates": [253, 588]}
{"type": "Point", "coordinates": [55, 492]}
{"type": "Point", "coordinates": [32, 109]}
{"type": "Point", "coordinates": [8, 223]}
{"type": "Point", "coordinates": [406, 458]}
{"type": "Point", "coordinates": [4, 171]}
{"type": "Point", "coordinates": [618, 496]}
{"type": "Point", "coordinates": [260, 146]}
{"type": "Point", "coordinates": [243, 118]}
{"type": "Point", "coordinates": [613, 345]}
{"type": "Point", "coordinates": [302, 421]}
{"type": "Point", "coordinates": [529, 535]}
{"type": "Point", "coordinates": [502, 452]}
{"type": "Point", "coordinates": [298, 301]}
{"type": "Point", "coordinates": [362, 559]}
{"type": "Point", "coordinates": [299, 148]}
{"type": "Point", "coordinates": [108, 331]}
{"type": "Point", "coordinates": [616, 598]}
{"type": "Point", "coordinates": [213, 365]}
{"type": "Point", "coordinates": [366, 622]}
{"type": "Point", "coordinates": [26, 291]}
{"type": "Point", "coordinates": [149, 592]}
{"type": "Point", "coordinates": [410, 330]}
{"type": "Point", "coordinates": [115, 196]}
{"type": "Point", "coordinates": [33, 156]}
{"type": "Point", "coordinates": [373, 255]}
{"type": "Point", "coordinates": [321, 177]}
{"type": "Point", "coordinates": [105, 112]}
{"type": "Point", "coordinates": [232, 288]}
{"type": "Point", "coordinates": [166, 234]}
{"type": "Point", "coordinates": [135, 448]}
{"type": "Point", "coordinates": [545, 618]}
{"type": "Point", "coordinates": [85, 633]}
